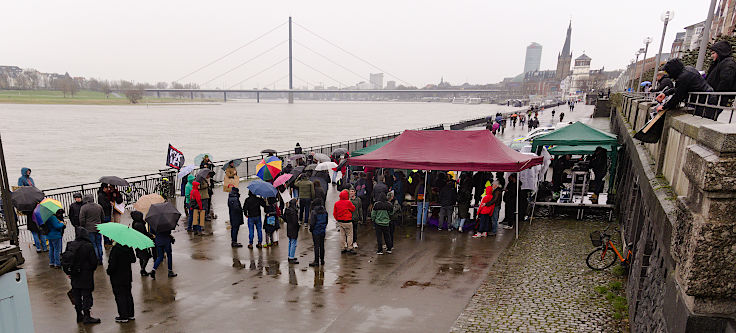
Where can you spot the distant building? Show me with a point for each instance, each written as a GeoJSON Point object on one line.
{"type": "Point", "coordinates": [362, 85]}
{"type": "Point", "coordinates": [580, 75]}
{"type": "Point", "coordinates": [376, 80]}
{"type": "Point", "coordinates": [693, 34]}
{"type": "Point", "coordinates": [677, 44]}
{"type": "Point", "coordinates": [724, 19]}
{"type": "Point", "coordinates": [540, 83]}
{"type": "Point", "coordinates": [564, 58]}
{"type": "Point", "coordinates": [390, 85]}
{"type": "Point", "coordinates": [533, 57]}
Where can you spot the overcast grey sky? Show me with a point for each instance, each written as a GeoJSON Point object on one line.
{"type": "Point", "coordinates": [417, 41]}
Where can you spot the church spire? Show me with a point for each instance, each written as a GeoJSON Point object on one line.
{"type": "Point", "coordinates": [566, 47]}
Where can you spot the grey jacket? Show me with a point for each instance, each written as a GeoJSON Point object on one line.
{"type": "Point", "coordinates": [91, 214]}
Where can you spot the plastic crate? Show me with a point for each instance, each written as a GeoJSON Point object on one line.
{"type": "Point", "coordinates": [596, 238]}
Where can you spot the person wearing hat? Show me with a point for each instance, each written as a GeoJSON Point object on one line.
{"type": "Point", "coordinates": [722, 71]}
{"type": "Point", "coordinates": [687, 80]}
{"type": "Point", "coordinates": [75, 208]}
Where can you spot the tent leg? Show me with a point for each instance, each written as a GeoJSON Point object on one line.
{"type": "Point", "coordinates": [424, 200]}
{"type": "Point", "coordinates": [534, 207]}
{"type": "Point", "coordinates": [517, 205]}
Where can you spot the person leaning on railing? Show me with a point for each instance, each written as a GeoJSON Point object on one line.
{"type": "Point", "coordinates": [687, 80]}
{"type": "Point", "coordinates": [663, 82]}
{"type": "Point", "coordinates": [722, 72]}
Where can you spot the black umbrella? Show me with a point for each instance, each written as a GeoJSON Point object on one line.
{"type": "Point", "coordinates": [26, 198]}
{"type": "Point", "coordinates": [296, 157]}
{"type": "Point", "coordinates": [296, 171]}
{"type": "Point", "coordinates": [268, 151]}
{"type": "Point", "coordinates": [310, 167]}
{"type": "Point", "coordinates": [112, 180]}
{"type": "Point", "coordinates": [322, 182]}
{"type": "Point", "coordinates": [162, 217]}
{"type": "Point", "coordinates": [339, 151]}
{"type": "Point", "coordinates": [202, 174]}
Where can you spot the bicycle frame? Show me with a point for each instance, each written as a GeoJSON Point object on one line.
{"type": "Point", "coordinates": [609, 243]}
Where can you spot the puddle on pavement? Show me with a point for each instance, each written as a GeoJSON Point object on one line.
{"type": "Point", "coordinates": [199, 256]}
{"type": "Point", "coordinates": [455, 268]}
{"type": "Point", "coordinates": [412, 283]}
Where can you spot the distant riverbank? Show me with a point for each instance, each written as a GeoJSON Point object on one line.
{"type": "Point", "coordinates": [82, 97]}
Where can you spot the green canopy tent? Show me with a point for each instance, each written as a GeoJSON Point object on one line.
{"type": "Point", "coordinates": [579, 139]}
{"type": "Point", "coordinates": [369, 149]}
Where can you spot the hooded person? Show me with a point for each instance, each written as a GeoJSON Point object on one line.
{"type": "Point", "coordinates": [143, 255]}
{"type": "Point", "coordinates": [232, 180]}
{"type": "Point", "coordinates": [75, 208]}
{"type": "Point", "coordinates": [121, 278]}
{"type": "Point", "coordinates": [236, 215]}
{"type": "Point", "coordinates": [343, 213]}
{"type": "Point", "coordinates": [198, 213]}
{"type": "Point", "coordinates": [318, 227]}
{"type": "Point", "coordinates": [722, 71]}
{"type": "Point", "coordinates": [90, 215]}
{"type": "Point", "coordinates": [187, 202]}
{"type": "Point", "coordinates": [484, 213]}
{"type": "Point", "coordinates": [56, 226]}
{"type": "Point", "coordinates": [252, 210]}
{"type": "Point", "coordinates": [687, 80]}
{"type": "Point", "coordinates": [271, 224]}
{"type": "Point", "coordinates": [291, 216]}
{"type": "Point", "coordinates": [381, 217]}
{"type": "Point", "coordinates": [25, 178]}
{"type": "Point", "coordinates": [82, 275]}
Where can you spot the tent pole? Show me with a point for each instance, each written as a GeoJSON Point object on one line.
{"type": "Point", "coordinates": [424, 199]}
{"type": "Point", "coordinates": [517, 205]}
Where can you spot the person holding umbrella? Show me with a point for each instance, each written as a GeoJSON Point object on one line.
{"type": "Point", "coordinates": [56, 231]}
{"type": "Point", "coordinates": [236, 216]}
{"type": "Point", "coordinates": [121, 279]}
{"type": "Point", "coordinates": [206, 163]}
{"type": "Point", "coordinates": [144, 255]}
{"type": "Point", "coordinates": [163, 241]}
{"type": "Point", "coordinates": [252, 210]}
{"type": "Point", "coordinates": [90, 216]}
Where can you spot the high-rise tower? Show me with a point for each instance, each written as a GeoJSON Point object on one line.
{"type": "Point", "coordinates": [565, 57]}
{"type": "Point", "coordinates": [533, 57]}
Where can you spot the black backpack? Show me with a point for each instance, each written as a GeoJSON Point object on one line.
{"type": "Point", "coordinates": [44, 229]}
{"type": "Point", "coordinates": [69, 258]}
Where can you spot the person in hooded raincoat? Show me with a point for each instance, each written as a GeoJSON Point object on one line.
{"type": "Point", "coordinates": [195, 200]}
{"type": "Point", "coordinates": [687, 80]}
{"type": "Point", "coordinates": [291, 216]}
{"type": "Point", "coordinates": [484, 213]}
{"type": "Point", "coordinates": [188, 202]}
{"type": "Point", "coordinates": [343, 213]}
{"type": "Point", "coordinates": [318, 227]}
{"type": "Point", "coordinates": [25, 178]}
{"type": "Point", "coordinates": [83, 275]}
{"type": "Point", "coordinates": [121, 279]}
{"type": "Point", "coordinates": [236, 215]}
{"type": "Point", "coordinates": [90, 215]}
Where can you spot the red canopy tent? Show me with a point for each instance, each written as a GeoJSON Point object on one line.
{"type": "Point", "coordinates": [448, 151]}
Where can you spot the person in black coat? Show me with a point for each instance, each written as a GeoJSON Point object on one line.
{"type": "Point", "coordinates": [291, 216]}
{"type": "Point", "coordinates": [687, 80]}
{"type": "Point", "coordinates": [236, 216]}
{"type": "Point", "coordinates": [121, 278]}
{"type": "Point", "coordinates": [509, 199]}
{"type": "Point", "coordinates": [83, 275]}
{"type": "Point", "coordinates": [143, 255]}
{"type": "Point", "coordinates": [252, 210]}
{"type": "Point", "coordinates": [75, 208]}
{"type": "Point", "coordinates": [599, 164]}
{"type": "Point", "coordinates": [663, 82]}
{"type": "Point", "coordinates": [722, 71]}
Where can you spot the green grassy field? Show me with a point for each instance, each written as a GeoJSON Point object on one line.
{"type": "Point", "coordinates": [81, 97]}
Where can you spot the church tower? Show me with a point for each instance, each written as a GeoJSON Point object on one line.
{"type": "Point", "coordinates": [564, 59]}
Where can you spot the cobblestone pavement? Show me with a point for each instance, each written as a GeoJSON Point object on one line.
{"type": "Point", "coordinates": [542, 284]}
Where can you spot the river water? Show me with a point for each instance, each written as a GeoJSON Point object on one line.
{"type": "Point", "coordinates": [71, 144]}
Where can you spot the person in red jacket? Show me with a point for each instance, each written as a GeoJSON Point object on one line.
{"type": "Point", "coordinates": [343, 213]}
{"type": "Point", "coordinates": [484, 213]}
{"type": "Point", "coordinates": [196, 198]}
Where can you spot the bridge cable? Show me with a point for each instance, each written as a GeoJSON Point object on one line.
{"type": "Point", "coordinates": [231, 52]}
{"type": "Point", "coordinates": [277, 80]}
{"type": "Point", "coordinates": [350, 53]}
{"type": "Point", "coordinates": [330, 60]}
{"type": "Point", "coordinates": [261, 72]}
{"type": "Point", "coordinates": [318, 71]}
{"type": "Point", "coordinates": [243, 63]}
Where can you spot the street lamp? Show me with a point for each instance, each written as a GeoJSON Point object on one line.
{"type": "Point", "coordinates": [644, 64]}
{"type": "Point", "coordinates": [706, 36]}
{"type": "Point", "coordinates": [636, 62]}
{"type": "Point", "coordinates": [666, 18]}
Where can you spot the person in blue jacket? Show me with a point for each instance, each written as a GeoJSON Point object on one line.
{"type": "Point", "coordinates": [25, 178]}
{"type": "Point", "coordinates": [56, 232]}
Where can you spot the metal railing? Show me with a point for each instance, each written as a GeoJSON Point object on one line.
{"type": "Point", "coordinates": [711, 104]}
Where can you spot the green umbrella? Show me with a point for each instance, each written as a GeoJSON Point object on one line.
{"type": "Point", "coordinates": [125, 235]}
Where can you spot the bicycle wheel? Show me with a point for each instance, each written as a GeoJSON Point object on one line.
{"type": "Point", "coordinates": [599, 260]}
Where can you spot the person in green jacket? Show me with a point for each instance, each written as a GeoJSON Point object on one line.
{"type": "Point", "coordinates": [357, 215]}
{"type": "Point", "coordinates": [306, 194]}
{"type": "Point", "coordinates": [381, 217]}
{"type": "Point", "coordinates": [187, 206]}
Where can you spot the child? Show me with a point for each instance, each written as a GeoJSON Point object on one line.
{"type": "Point", "coordinates": [56, 231]}
{"type": "Point", "coordinates": [485, 211]}
{"type": "Point", "coordinates": [318, 226]}
{"type": "Point", "coordinates": [195, 199]}
{"type": "Point", "coordinates": [272, 221]}
{"type": "Point", "coordinates": [381, 216]}
{"type": "Point", "coordinates": [291, 215]}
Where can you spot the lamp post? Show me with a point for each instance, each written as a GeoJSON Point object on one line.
{"type": "Point", "coordinates": [644, 64]}
{"type": "Point", "coordinates": [636, 62]}
{"type": "Point", "coordinates": [706, 36]}
{"type": "Point", "coordinates": [666, 18]}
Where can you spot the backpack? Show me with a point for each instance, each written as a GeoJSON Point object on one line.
{"type": "Point", "coordinates": [361, 191]}
{"type": "Point", "coordinates": [69, 258]}
{"type": "Point", "coordinates": [271, 220]}
{"type": "Point", "coordinates": [44, 229]}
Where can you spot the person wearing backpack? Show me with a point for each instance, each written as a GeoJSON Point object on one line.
{"type": "Point", "coordinates": [79, 262]}
{"type": "Point", "coordinates": [90, 215]}
{"type": "Point", "coordinates": [55, 230]}
{"type": "Point", "coordinates": [271, 225]}
{"type": "Point", "coordinates": [381, 217]}
{"type": "Point", "coordinates": [318, 227]}
{"type": "Point", "coordinates": [121, 279]}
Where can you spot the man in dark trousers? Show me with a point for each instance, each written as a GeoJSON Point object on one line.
{"type": "Point", "coordinates": [84, 263]}
{"type": "Point", "coordinates": [75, 208]}
{"type": "Point", "coordinates": [509, 198]}
{"type": "Point", "coordinates": [121, 278]}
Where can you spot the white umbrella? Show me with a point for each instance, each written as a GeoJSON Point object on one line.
{"type": "Point", "coordinates": [186, 170]}
{"type": "Point", "coordinates": [321, 157]}
{"type": "Point", "coordinates": [326, 166]}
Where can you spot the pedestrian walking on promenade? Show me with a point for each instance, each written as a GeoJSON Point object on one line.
{"type": "Point", "coordinates": [252, 210]}
{"type": "Point", "coordinates": [306, 194]}
{"type": "Point", "coordinates": [143, 255]}
{"type": "Point", "coordinates": [39, 239]}
{"type": "Point", "coordinates": [484, 211]}
{"type": "Point", "coordinates": [271, 225]}
{"type": "Point", "coordinates": [90, 216]}
{"type": "Point", "coordinates": [464, 196]}
{"type": "Point", "coordinates": [55, 227]}
{"type": "Point", "coordinates": [357, 214]}
{"type": "Point", "coordinates": [79, 262]}
{"type": "Point", "coordinates": [562, 116]}
{"type": "Point", "coordinates": [448, 199]}
{"type": "Point", "coordinates": [163, 242]}
{"type": "Point", "coordinates": [381, 217]}
{"type": "Point", "coordinates": [75, 208]}
{"type": "Point", "coordinates": [121, 279]}
{"type": "Point", "coordinates": [198, 212]}
{"type": "Point", "coordinates": [318, 227]}
{"type": "Point", "coordinates": [188, 203]}
{"type": "Point", "coordinates": [236, 215]}
{"type": "Point", "coordinates": [343, 213]}
{"type": "Point", "coordinates": [232, 180]}
{"type": "Point", "coordinates": [291, 216]}
{"type": "Point", "coordinates": [553, 114]}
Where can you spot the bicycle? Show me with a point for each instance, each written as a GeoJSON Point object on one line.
{"type": "Point", "coordinates": [164, 188]}
{"type": "Point", "coordinates": [131, 195]}
{"type": "Point", "coordinates": [602, 257]}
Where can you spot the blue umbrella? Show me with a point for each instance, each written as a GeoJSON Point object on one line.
{"type": "Point", "coordinates": [645, 83]}
{"type": "Point", "coordinates": [261, 188]}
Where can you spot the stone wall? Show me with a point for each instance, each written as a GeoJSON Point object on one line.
{"type": "Point", "coordinates": [676, 203]}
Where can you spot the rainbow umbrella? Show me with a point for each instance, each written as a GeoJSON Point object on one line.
{"type": "Point", "coordinates": [268, 168]}
{"type": "Point", "coordinates": [45, 209]}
